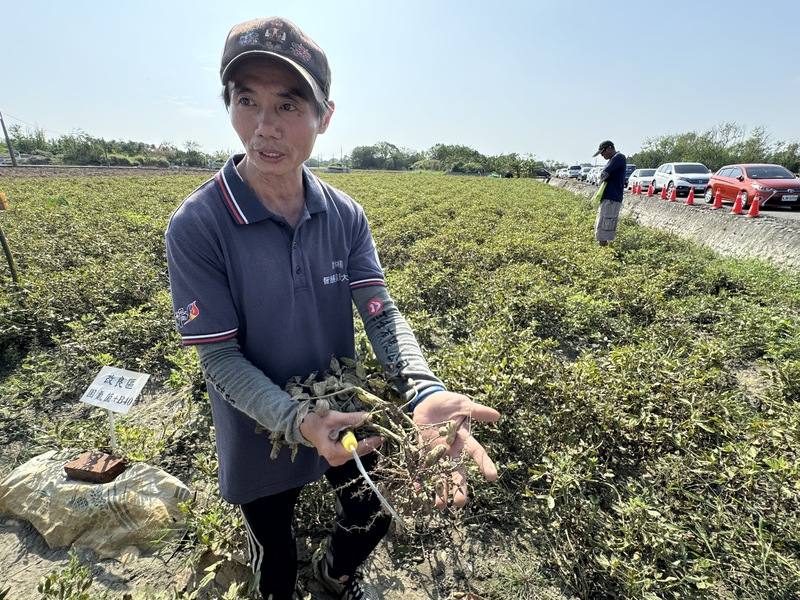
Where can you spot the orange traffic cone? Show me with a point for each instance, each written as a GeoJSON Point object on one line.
{"type": "Point", "coordinates": [650, 190]}
{"type": "Point", "coordinates": [673, 195]}
{"type": "Point", "coordinates": [717, 201]}
{"type": "Point", "coordinates": [755, 205]}
{"type": "Point", "coordinates": [663, 193]}
{"type": "Point", "coordinates": [690, 198]}
{"type": "Point", "coordinates": [638, 189]}
{"type": "Point", "coordinates": [737, 205]}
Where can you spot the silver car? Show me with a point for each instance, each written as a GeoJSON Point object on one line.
{"type": "Point", "coordinates": [641, 176]}
{"type": "Point", "coordinates": [682, 176]}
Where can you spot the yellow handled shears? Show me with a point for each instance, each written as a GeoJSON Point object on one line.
{"type": "Point", "coordinates": [350, 444]}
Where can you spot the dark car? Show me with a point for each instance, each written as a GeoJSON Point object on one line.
{"type": "Point", "coordinates": [629, 168]}
{"type": "Point", "coordinates": [774, 184]}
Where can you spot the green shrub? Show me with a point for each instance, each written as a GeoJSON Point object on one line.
{"type": "Point", "coordinates": [120, 160]}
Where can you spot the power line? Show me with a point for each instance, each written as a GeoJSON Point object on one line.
{"type": "Point", "coordinates": [34, 125]}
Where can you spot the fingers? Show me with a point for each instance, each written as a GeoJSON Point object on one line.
{"type": "Point", "coordinates": [343, 419]}
{"type": "Point", "coordinates": [460, 487]}
{"type": "Point", "coordinates": [481, 458]}
{"type": "Point", "coordinates": [338, 454]}
{"type": "Point", "coordinates": [466, 443]}
{"type": "Point", "coordinates": [483, 413]}
{"type": "Point", "coordinates": [369, 444]}
{"type": "Point", "coordinates": [442, 494]}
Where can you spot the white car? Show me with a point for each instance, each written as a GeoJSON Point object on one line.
{"type": "Point", "coordinates": [574, 171]}
{"type": "Point", "coordinates": [682, 176]}
{"type": "Point", "coordinates": [641, 176]}
{"type": "Point", "coordinates": [594, 175]}
{"type": "Point", "coordinates": [584, 173]}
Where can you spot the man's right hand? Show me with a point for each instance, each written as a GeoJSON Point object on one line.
{"type": "Point", "coordinates": [323, 434]}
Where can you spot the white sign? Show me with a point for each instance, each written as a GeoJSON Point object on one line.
{"type": "Point", "coordinates": [115, 389]}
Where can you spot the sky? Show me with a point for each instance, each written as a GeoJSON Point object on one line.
{"type": "Point", "coordinates": [549, 79]}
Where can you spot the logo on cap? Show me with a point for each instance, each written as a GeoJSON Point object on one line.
{"type": "Point", "coordinates": [274, 34]}
{"type": "Point", "coordinates": [248, 38]}
{"type": "Point", "coordinates": [301, 52]}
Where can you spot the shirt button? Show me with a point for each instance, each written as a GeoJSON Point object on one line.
{"type": "Point", "coordinates": [294, 245]}
{"type": "Point", "coordinates": [298, 270]}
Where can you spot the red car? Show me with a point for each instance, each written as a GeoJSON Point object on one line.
{"type": "Point", "coordinates": [774, 184]}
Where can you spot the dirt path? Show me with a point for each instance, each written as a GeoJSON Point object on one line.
{"type": "Point", "coordinates": [25, 558]}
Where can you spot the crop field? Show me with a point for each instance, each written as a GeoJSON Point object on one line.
{"type": "Point", "coordinates": [650, 390]}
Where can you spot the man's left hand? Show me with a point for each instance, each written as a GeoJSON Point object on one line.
{"type": "Point", "coordinates": [437, 409]}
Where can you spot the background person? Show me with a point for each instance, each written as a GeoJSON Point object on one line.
{"type": "Point", "coordinates": [265, 261]}
{"type": "Point", "coordinates": [605, 227]}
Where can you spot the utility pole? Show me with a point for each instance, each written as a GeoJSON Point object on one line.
{"type": "Point", "coordinates": [8, 142]}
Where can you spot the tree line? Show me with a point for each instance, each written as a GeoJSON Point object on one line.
{"type": "Point", "coordinates": [453, 158]}
{"type": "Point", "coordinates": [724, 144]}
{"type": "Point", "coordinates": [80, 148]}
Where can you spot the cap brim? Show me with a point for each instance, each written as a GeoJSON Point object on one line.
{"type": "Point", "coordinates": [596, 153]}
{"type": "Point", "coordinates": [309, 79]}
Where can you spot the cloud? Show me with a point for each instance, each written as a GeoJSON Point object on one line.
{"type": "Point", "coordinates": [190, 109]}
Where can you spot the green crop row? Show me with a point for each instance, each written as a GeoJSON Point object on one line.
{"type": "Point", "coordinates": [649, 389]}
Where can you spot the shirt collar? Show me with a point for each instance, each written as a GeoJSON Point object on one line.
{"type": "Point", "coordinates": [243, 204]}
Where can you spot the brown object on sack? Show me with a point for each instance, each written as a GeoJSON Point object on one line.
{"type": "Point", "coordinates": [97, 467]}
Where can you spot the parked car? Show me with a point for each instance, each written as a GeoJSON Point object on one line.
{"type": "Point", "coordinates": [584, 173]}
{"type": "Point", "coordinates": [542, 173]}
{"type": "Point", "coordinates": [562, 173]}
{"type": "Point", "coordinates": [574, 171]}
{"type": "Point", "coordinates": [629, 168]}
{"type": "Point", "coordinates": [594, 175]}
{"type": "Point", "coordinates": [773, 183]}
{"type": "Point", "coordinates": [682, 176]}
{"type": "Point", "coordinates": [641, 176]}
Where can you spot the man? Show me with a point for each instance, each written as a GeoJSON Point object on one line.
{"type": "Point", "coordinates": [265, 261]}
{"type": "Point", "coordinates": [605, 227]}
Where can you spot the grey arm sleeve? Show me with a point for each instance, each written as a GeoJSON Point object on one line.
{"type": "Point", "coordinates": [392, 340]}
{"type": "Point", "coordinates": [248, 389]}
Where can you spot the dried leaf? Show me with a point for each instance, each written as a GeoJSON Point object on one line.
{"type": "Point", "coordinates": [332, 383]}
{"type": "Point", "coordinates": [349, 379]}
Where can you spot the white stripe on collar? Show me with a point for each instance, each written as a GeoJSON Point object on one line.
{"type": "Point", "coordinates": [233, 199]}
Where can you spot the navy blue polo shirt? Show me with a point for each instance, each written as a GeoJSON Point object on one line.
{"type": "Point", "coordinates": [615, 184]}
{"type": "Point", "coordinates": [239, 271]}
